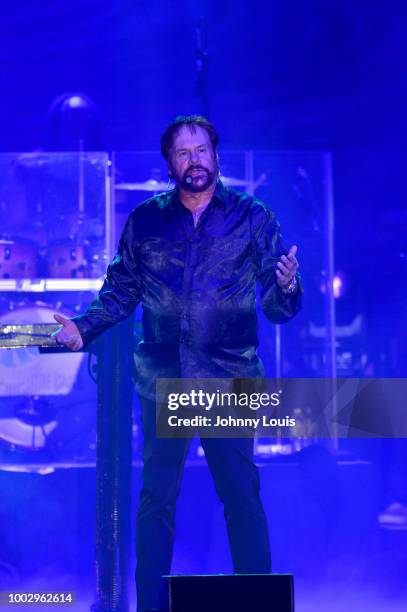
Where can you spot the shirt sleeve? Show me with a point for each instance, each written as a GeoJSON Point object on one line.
{"type": "Point", "coordinates": [278, 306]}
{"type": "Point", "coordinates": [120, 292]}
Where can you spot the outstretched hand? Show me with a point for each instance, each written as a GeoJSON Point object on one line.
{"type": "Point", "coordinates": [287, 268]}
{"type": "Point", "coordinates": [68, 334]}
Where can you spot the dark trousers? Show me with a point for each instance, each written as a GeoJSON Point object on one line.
{"type": "Point", "coordinates": [236, 480]}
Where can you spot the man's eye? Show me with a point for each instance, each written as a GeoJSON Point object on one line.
{"type": "Point", "coordinates": [182, 153]}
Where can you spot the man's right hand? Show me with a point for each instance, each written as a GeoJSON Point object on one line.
{"type": "Point", "coordinates": [68, 334]}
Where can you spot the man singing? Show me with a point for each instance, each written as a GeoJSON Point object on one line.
{"type": "Point", "coordinates": [192, 257]}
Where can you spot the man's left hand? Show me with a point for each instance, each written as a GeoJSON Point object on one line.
{"type": "Point", "coordinates": [287, 268]}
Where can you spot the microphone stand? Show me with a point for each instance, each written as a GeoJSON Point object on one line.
{"type": "Point", "coordinates": [201, 63]}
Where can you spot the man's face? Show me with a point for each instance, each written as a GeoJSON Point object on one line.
{"type": "Point", "coordinates": [192, 155]}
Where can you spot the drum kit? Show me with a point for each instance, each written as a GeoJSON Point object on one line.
{"type": "Point", "coordinates": [35, 253]}
{"type": "Point", "coordinates": [45, 398]}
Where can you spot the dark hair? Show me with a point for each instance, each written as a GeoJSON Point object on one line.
{"type": "Point", "coordinates": [192, 121]}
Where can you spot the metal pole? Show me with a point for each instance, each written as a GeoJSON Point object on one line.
{"type": "Point", "coordinates": [110, 207]}
{"type": "Point", "coordinates": [329, 296]}
{"type": "Point", "coordinates": [113, 467]}
{"type": "Point", "coordinates": [201, 63]}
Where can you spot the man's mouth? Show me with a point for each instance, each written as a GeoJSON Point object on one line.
{"type": "Point", "coordinates": [196, 171]}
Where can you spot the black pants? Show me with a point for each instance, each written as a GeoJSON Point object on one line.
{"type": "Point", "coordinates": [237, 484]}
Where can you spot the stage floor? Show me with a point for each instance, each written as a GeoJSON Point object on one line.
{"type": "Point", "coordinates": [323, 526]}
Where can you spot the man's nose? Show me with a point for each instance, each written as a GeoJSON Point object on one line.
{"type": "Point", "coordinates": [194, 156]}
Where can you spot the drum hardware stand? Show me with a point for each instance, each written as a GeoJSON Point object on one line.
{"type": "Point", "coordinates": [113, 473]}
{"type": "Point", "coordinates": [201, 64]}
{"type": "Point", "coordinates": [81, 182]}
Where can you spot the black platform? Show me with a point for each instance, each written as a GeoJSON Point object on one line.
{"type": "Point", "coordinates": [230, 593]}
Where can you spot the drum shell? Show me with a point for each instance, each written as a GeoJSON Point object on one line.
{"type": "Point", "coordinates": [66, 259]}
{"type": "Point", "coordinates": [18, 258]}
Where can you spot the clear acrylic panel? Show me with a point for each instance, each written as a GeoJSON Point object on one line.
{"type": "Point", "coordinates": [53, 213]}
{"type": "Point", "coordinates": [55, 237]}
{"type": "Point", "coordinates": [296, 186]}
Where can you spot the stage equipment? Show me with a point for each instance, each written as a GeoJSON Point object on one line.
{"type": "Point", "coordinates": [67, 260]}
{"type": "Point", "coordinates": [27, 325]}
{"type": "Point", "coordinates": [61, 258]}
{"type": "Point", "coordinates": [115, 350]}
{"type": "Point", "coordinates": [55, 216]}
{"type": "Point", "coordinates": [18, 258]}
{"type": "Point", "coordinates": [351, 353]}
{"type": "Point", "coordinates": [33, 419]}
{"type": "Point", "coordinates": [40, 409]}
{"type": "Point", "coordinates": [56, 238]}
{"type": "Point", "coordinates": [231, 181]}
{"type": "Point", "coordinates": [157, 186]}
{"type": "Point", "coordinates": [229, 592]}
{"type": "Point", "coordinates": [149, 185]}
{"type": "Point", "coordinates": [201, 65]}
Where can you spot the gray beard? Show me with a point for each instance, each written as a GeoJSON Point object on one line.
{"type": "Point", "coordinates": [194, 188]}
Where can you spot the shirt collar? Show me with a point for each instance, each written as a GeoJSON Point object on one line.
{"type": "Point", "coordinates": [219, 195]}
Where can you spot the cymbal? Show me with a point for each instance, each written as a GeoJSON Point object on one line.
{"type": "Point", "coordinates": [150, 185]}
{"type": "Point", "coordinates": [231, 181]}
{"type": "Point", "coordinates": [154, 185]}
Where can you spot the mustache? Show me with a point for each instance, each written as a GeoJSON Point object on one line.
{"type": "Point", "coordinates": [195, 168]}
